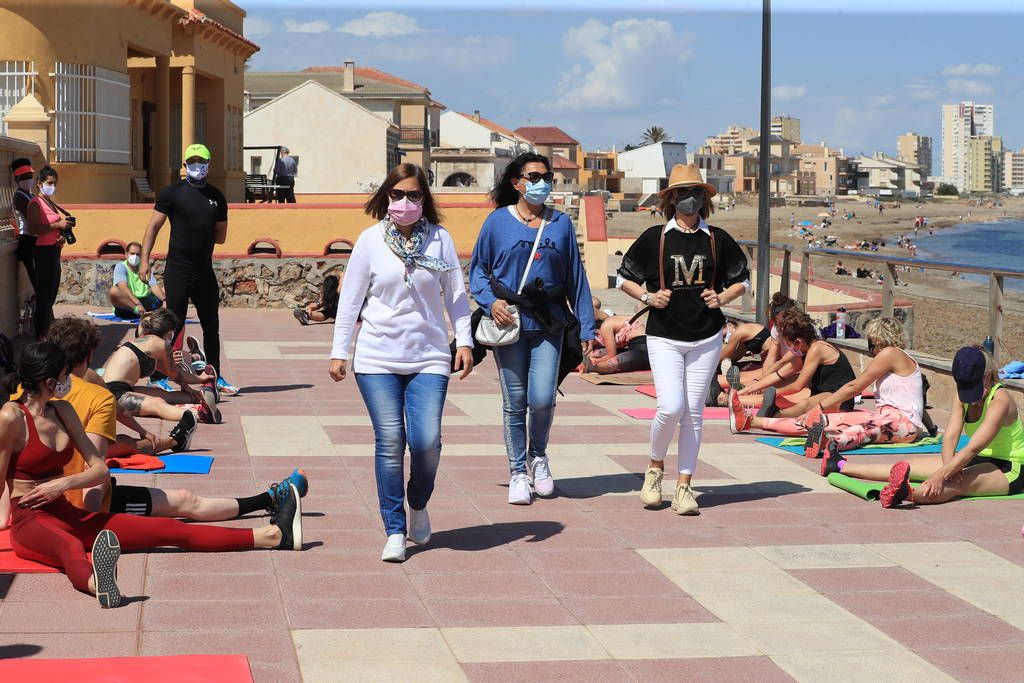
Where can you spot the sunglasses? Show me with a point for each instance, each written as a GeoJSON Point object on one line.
{"type": "Point", "coordinates": [412, 195]}
{"type": "Point", "coordinates": [534, 177]}
{"type": "Point", "coordinates": [687, 192]}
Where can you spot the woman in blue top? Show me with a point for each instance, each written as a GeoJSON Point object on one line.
{"type": "Point", "coordinates": [528, 369]}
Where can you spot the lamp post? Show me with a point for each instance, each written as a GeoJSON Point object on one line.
{"type": "Point", "coordinates": [764, 191]}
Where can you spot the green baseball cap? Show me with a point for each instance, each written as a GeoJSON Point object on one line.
{"type": "Point", "coordinates": [197, 150]}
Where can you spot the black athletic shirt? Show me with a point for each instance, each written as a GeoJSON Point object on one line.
{"type": "Point", "coordinates": [194, 213]}
{"type": "Point", "coordinates": [688, 271]}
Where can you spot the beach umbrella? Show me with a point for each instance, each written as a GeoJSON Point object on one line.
{"type": "Point", "coordinates": [824, 214]}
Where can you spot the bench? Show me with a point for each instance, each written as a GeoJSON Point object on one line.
{"type": "Point", "coordinates": [258, 188]}
{"type": "Point", "coordinates": [143, 189]}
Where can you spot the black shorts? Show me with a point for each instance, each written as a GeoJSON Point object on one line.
{"type": "Point", "coordinates": [1012, 470]}
{"type": "Point", "coordinates": [119, 389]}
{"type": "Point", "coordinates": [131, 500]}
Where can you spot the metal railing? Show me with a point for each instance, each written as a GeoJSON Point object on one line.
{"type": "Point", "coordinates": [996, 278]}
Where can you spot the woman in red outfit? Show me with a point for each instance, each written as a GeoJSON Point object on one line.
{"type": "Point", "coordinates": [37, 438]}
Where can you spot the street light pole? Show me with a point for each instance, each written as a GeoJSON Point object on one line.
{"type": "Point", "coordinates": [764, 226]}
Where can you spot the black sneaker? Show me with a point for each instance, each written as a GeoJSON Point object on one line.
{"type": "Point", "coordinates": [301, 316]}
{"type": "Point", "coordinates": [830, 462]}
{"type": "Point", "coordinates": [732, 376]}
{"type": "Point", "coordinates": [105, 552]}
{"type": "Point", "coordinates": [714, 391]}
{"type": "Point", "coordinates": [768, 407]}
{"type": "Point", "coordinates": [288, 516]}
{"type": "Point", "coordinates": [183, 431]}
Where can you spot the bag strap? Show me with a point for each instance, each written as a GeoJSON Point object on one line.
{"type": "Point", "coordinates": [533, 252]}
{"type": "Point", "coordinates": [661, 261]}
{"type": "Point", "coordinates": [714, 258]}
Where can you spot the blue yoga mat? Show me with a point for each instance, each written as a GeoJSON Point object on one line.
{"type": "Point", "coordinates": [176, 464]}
{"type": "Point", "coordinates": [903, 449]}
{"type": "Point", "coordinates": [134, 321]}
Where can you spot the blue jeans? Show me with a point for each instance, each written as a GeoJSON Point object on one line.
{"type": "Point", "coordinates": [528, 374]}
{"type": "Point", "coordinates": [404, 409]}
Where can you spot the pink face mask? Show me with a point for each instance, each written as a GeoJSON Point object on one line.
{"type": "Point", "coordinates": [404, 212]}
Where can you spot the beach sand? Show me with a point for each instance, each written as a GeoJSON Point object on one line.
{"type": "Point", "coordinates": [948, 312]}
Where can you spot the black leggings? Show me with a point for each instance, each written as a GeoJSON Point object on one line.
{"type": "Point", "coordinates": [201, 288]}
{"type": "Point", "coordinates": [47, 285]}
{"type": "Point", "coordinates": [26, 255]}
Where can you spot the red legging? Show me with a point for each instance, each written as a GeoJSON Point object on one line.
{"type": "Point", "coordinates": [60, 534]}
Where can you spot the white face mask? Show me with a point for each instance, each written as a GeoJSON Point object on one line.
{"type": "Point", "coordinates": [792, 349]}
{"type": "Point", "coordinates": [48, 190]}
{"type": "Point", "coordinates": [197, 171]}
{"type": "Point", "coordinates": [62, 388]}
{"type": "Point", "coordinates": [134, 260]}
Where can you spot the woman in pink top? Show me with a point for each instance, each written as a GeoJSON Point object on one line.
{"type": "Point", "coordinates": [46, 223]}
{"type": "Point", "coordinates": [899, 400]}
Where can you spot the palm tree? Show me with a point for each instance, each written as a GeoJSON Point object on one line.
{"type": "Point", "coordinates": [653, 134]}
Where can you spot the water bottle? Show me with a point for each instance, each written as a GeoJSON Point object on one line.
{"type": "Point", "coordinates": [841, 323]}
{"type": "Point", "coordinates": [989, 345]}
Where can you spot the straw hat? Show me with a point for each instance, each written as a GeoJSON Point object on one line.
{"type": "Point", "coordinates": [687, 176]}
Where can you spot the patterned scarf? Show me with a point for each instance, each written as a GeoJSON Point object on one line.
{"type": "Point", "coordinates": [409, 250]}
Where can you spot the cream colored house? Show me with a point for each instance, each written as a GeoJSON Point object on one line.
{"type": "Point", "coordinates": [341, 145]}
{"type": "Point", "coordinates": [474, 151]}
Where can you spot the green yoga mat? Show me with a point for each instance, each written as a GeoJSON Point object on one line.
{"type": "Point", "coordinates": [870, 490]}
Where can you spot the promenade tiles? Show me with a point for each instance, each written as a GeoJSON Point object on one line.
{"type": "Point", "coordinates": [780, 578]}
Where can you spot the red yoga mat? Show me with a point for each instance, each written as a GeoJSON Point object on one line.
{"type": "Point", "coordinates": [12, 564]}
{"type": "Point", "coordinates": [183, 669]}
{"type": "Point", "coordinates": [648, 413]}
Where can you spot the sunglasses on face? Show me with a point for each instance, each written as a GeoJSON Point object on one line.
{"type": "Point", "coordinates": [412, 195]}
{"type": "Point", "coordinates": [534, 176]}
{"type": "Point", "coordinates": [686, 193]}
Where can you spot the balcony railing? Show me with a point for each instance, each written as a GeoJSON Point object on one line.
{"type": "Point", "coordinates": [416, 135]}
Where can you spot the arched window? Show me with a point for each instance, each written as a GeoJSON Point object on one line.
{"type": "Point", "coordinates": [460, 179]}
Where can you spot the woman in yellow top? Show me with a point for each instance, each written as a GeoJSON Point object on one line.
{"type": "Point", "coordinates": [989, 465]}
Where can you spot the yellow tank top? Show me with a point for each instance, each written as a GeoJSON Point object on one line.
{"type": "Point", "coordinates": [1008, 443]}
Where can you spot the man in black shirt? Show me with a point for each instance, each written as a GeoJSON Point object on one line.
{"type": "Point", "coordinates": [199, 220]}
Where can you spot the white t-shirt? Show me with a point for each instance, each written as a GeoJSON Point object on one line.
{"type": "Point", "coordinates": [403, 329]}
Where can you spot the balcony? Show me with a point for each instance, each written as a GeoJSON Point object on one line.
{"type": "Point", "coordinates": [414, 135]}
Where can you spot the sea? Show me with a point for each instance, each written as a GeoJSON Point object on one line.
{"type": "Point", "coordinates": [994, 245]}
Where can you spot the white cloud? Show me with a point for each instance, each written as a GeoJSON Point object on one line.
{"type": "Point", "coordinates": [969, 87]}
{"type": "Point", "coordinates": [318, 26]}
{"type": "Point", "coordinates": [381, 24]}
{"type": "Point", "coordinates": [921, 91]}
{"type": "Point", "coordinates": [257, 26]}
{"type": "Point", "coordinates": [788, 92]}
{"type": "Point", "coordinates": [621, 65]}
{"type": "Point", "coordinates": [881, 100]}
{"type": "Point", "coordinates": [979, 69]}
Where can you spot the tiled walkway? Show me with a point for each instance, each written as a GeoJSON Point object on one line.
{"type": "Point", "coordinates": [781, 577]}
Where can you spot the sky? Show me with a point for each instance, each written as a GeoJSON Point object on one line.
{"type": "Point", "coordinates": [857, 76]}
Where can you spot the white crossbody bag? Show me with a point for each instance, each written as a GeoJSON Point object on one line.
{"type": "Point", "coordinates": [488, 332]}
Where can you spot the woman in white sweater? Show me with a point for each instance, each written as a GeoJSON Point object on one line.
{"type": "Point", "coordinates": [402, 276]}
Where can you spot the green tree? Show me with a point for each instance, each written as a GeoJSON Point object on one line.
{"type": "Point", "coordinates": [947, 190]}
{"type": "Point", "coordinates": [653, 134]}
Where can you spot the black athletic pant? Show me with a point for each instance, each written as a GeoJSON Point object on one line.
{"type": "Point", "coordinates": [183, 284]}
{"type": "Point", "coordinates": [26, 255]}
{"type": "Point", "coordinates": [47, 285]}
{"type": "Point", "coordinates": [286, 194]}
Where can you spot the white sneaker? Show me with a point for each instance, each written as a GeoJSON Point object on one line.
{"type": "Point", "coordinates": [419, 526]}
{"type": "Point", "coordinates": [519, 490]}
{"type": "Point", "coordinates": [394, 549]}
{"type": "Point", "coordinates": [540, 477]}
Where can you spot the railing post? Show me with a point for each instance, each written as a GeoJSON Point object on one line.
{"type": "Point", "coordinates": [747, 301]}
{"type": "Point", "coordinates": [889, 292]}
{"type": "Point", "coordinates": [995, 312]}
{"type": "Point", "coordinates": [805, 278]}
{"type": "Point", "coordinates": [787, 257]}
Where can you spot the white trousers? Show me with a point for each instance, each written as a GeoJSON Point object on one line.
{"type": "Point", "coordinates": [682, 374]}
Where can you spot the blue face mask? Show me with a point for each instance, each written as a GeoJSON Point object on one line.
{"type": "Point", "coordinates": [537, 193]}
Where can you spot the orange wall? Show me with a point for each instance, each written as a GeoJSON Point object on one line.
{"type": "Point", "coordinates": [298, 229]}
{"type": "Point", "coordinates": [442, 198]}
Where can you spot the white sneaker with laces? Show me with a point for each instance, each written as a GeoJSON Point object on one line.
{"type": "Point", "coordinates": [419, 526]}
{"type": "Point", "coordinates": [519, 490]}
{"type": "Point", "coordinates": [540, 477]}
{"type": "Point", "coordinates": [394, 549]}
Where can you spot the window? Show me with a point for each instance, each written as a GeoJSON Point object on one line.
{"type": "Point", "coordinates": [93, 116]}
{"type": "Point", "coordinates": [17, 79]}
{"type": "Point", "coordinates": [495, 137]}
{"type": "Point", "coordinates": [233, 138]}
{"type": "Point", "coordinates": [255, 165]}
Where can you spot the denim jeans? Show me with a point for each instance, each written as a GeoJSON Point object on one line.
{"type": "Point", "coordinates": [404, 409]}
{"type": "Point", "coordinates": [528, 374]}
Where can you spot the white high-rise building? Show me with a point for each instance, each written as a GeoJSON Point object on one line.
{"type": "Point", "coordinates": [961, 122]}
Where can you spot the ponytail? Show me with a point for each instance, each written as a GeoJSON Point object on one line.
{"type": "Point", "coordinates": [9, 384]}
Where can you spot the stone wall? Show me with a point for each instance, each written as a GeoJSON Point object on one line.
{"type": "Point", "coordinates": [244, 282]}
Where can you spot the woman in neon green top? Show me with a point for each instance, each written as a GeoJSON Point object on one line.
{"type": "Point", "coordinates": [989, 465]}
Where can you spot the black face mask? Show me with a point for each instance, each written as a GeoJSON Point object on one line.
{"type": "Point", "coordinates": [688, 206]}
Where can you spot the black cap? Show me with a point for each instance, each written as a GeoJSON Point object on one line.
{"type": "Point", "coordinates": [969, 373]}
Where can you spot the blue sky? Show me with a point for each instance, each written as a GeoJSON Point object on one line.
{"type": "Point", "coordinates": [856, 79]}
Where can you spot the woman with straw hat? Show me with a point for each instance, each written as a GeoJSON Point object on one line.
{"type": "Point", "coordinates": [685, 270]}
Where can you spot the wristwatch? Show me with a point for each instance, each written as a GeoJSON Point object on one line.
{"type": "Point", "coordinates": [645, 298]}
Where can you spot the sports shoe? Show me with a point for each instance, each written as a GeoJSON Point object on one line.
{"type": "Point", "coordinates": [650, 494]}
{"type": "Point", "coordinates": [683, 502]}
{"type": "Point", "coordinates": [210, 370]}
{"type": "Point", "coordinates": [106, 550]}
{"type": "Point", "coordinates": [209, 413]}
{"type": "Point", "coordinates": [419, 526]}
{"type": "Point", "coordinates": [817, 438]}
{"type": "Point", "coordinates": [831, 459]}
{"type": "Point", "coordinates": [226, 387]}
{"type": "Point", "coordinates": [519, 490]}
{"type": "Point", "coordinates": [540, 476]}
{"type": "Point", "coordinates": [161, 384]}
{"type": "Point", "coordinates": [183, 431]}
{"type": "Point", "coordinates": [394, 549]}
{"type": "Point", "coordinates": [739, 417]}
{"type": "Point", "coordinates": [195, 349]}
{"type": "Point", "coordinates": [296, 478]}
{"type": "Point", "coordinates": [898, 488]}
{"type": "Point", "coordinates": [732, 375]}
{"type": "Point", "coordinates": [301, 316]}
{"type": "Point", "coordinates": [768, 407]}
{"type": "Point", "coordinates": [288, 517]}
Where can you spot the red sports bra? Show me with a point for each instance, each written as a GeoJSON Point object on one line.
{"type": "Point", "coordinates": [37, 461]}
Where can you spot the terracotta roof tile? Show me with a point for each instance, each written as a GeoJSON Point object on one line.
{"type": "Point", "coordinates": [546, 135]}
{"type": "Point", "coordinates": [560, 162]}
{"type": "Point", "coordinates": [369, 73]}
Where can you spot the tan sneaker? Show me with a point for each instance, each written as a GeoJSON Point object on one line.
{"type": "Point", "coordinates": [650, 494]}
{"type": "Point", "coordinates": [683, 502]}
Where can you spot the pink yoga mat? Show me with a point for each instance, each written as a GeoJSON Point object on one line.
{"type": "Point", "coordinates": [648, 413]}
{"type": "Point", "coordinates": [175, 669]}
{"type": "Point", "coordinates": [647, 390]}
{"type": "Point", "coordinates": [12, 564]}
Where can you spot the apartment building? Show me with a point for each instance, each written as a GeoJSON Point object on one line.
{"type": "Point", "coordinates": [961, 122]}
{"type": "Point", "coordinates": [917, 150]}
{"type": "Point", "coordinates": [786, 127]}
{"type": "Point", "coordinates": [984, 164]}
{"type": "Point", "coordinates": [1013, 171]}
